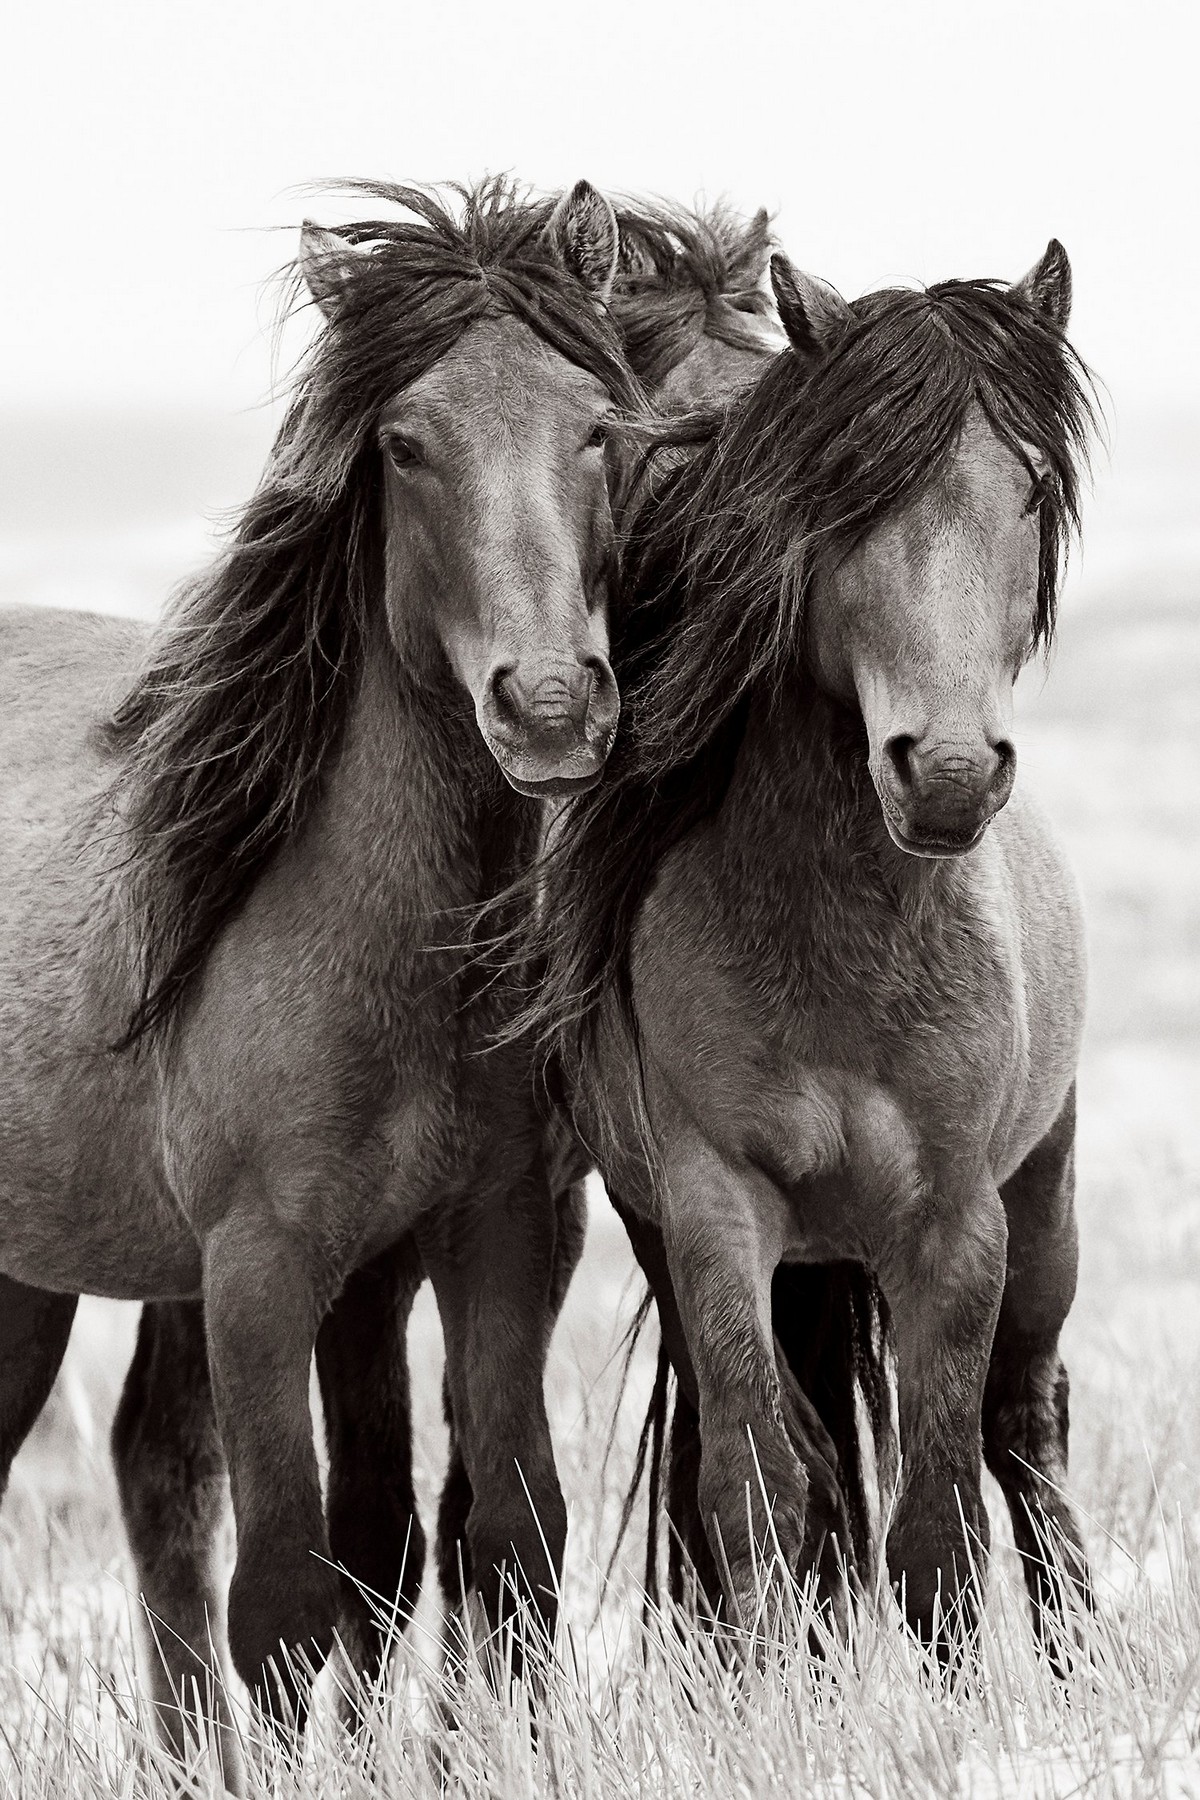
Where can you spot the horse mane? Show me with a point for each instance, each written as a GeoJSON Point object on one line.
{"type": "Point", "coordinates": [684, 275]}
{"type": "Point", "coordinates": [225, 735]}
{"type": "Point", "coordinates": [719, 553]}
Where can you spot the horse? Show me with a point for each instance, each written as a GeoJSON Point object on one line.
{"type": "Point", "coordinates": [246, 1050]}
{"type": "Point", "coordinates": [691, 303]}
{"type": "Point", "coordinates": [819, 989]}
{"type": "Point", "coordinates": [689, 306]}
{"type": "Point", "coordinates": [696, 319]}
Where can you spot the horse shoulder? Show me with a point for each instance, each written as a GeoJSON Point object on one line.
{"type": "Point", "coordinates": [1047, 920]}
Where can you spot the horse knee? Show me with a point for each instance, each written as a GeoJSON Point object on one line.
{"type": "Point", "coordinates": [1026, 1412]}
{"type": "Point", "coordinates": [748, 1522]}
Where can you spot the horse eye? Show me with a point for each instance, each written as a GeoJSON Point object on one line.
{"type": "Point", "coordinates": [597, 437]}
{"type": "Point", "coordinates": [402, 451]}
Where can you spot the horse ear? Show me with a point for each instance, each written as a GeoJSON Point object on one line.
{"type": "Point", "coordinates": [749, 260]}
{"type": "Point", "coordinates": [813, 314]}
{"type": "Point", "coordinates": [327, 265]}
{"type": "Point", "coordinates": [1048, 285]}
{"type": "Point", "coordinates": [584, 236]}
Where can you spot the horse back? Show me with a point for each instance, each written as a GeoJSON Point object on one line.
{"type": "Point", "coordinates": [60, 674]}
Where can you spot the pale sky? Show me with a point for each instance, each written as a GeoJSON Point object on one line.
{"type": "Point", "coordinates": [148, 146]}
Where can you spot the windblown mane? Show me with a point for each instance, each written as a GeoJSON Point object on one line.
{"type": "Point", "coordinates": [685, 275]}
{"type": "Point", "coordinates": [225, 735]}
{"type": "Point", "coordinates": [718, 560]}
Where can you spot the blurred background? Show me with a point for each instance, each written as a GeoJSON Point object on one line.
{"type": "Point", "coordinates": [151, 158]}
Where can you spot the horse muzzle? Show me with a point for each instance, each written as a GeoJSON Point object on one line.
{"type": "Point", "coordinates": [939, 799]}
{"type": "Point", "coordinates": [551, 729]}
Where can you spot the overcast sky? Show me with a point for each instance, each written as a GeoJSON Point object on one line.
{"type": "Point", "coordinates": [149, 147]}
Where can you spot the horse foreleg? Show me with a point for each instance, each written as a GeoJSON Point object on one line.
{"type": "Point", "coordinates": [375, 1533]}
{"type": "Point", "coordinates": [171, 1479]}
{"type": "Point", "coordinates": [453, 1550]}
{"type": "Point", "coordinates": [34, 1328]}
{"type": "Point", "coordinates": [943, 1278]}
{"type": "Point", "coordinates": [1025, 1406]}
{"type": "Point", "coordinates": [757, 1490]}
{"type": "Point", "coordinates": [491, 1264]}
{"type": "Point", "coordinates": [262, 1310]}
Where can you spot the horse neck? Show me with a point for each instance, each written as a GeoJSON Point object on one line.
{"type": "Point", "coordinates": [415, 820]}
{"type": "Point", "coordinates": [801, 829]}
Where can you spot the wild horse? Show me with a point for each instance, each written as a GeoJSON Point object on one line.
{"type": "Point", "coordinates": [239, 856]}
{"type": "Point", "coordinates": [688, 283]}
{"type": "Point", "coordinates": [689, 303]}
{"type": "Point", "coordinates": [810, 1008]}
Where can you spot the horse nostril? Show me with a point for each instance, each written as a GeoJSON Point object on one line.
{"type": "Point", "coordinates": [898, 751]}
{"type": "Point", "coordinates": [500, 701]}
{"type": "Point", "coordinates": [1006, 766]}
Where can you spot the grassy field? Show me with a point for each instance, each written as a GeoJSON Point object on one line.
{"type": "Point", "coordinates": [1109, 739]}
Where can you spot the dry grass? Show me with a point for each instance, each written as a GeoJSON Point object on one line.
{"type": "Point", "coordinates": [632, 1709]}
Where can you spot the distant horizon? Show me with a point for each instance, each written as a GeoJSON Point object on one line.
{"type": "Point", "coordinates": [111, 506]}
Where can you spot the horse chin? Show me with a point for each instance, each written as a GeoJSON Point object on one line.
{"type": "Point", "coordinates": [554, 787]}
{"type": "Point", "coordinates": [933, 847]}
{"type": "Point", "coordinates": [561, 780]}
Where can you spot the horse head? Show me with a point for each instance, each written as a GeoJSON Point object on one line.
{"type": "Point", "coordinates": [690, 302]}
{"type": "Point", "coordinates": [923, 618]}
{"type": "Point", "coordinates": [497, 530]}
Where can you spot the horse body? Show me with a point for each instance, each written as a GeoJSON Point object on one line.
{"type": "Point", "coordinates": [839, 1044]}
{"type": "Point", "coordinates": [68, 1112]}
{"type": "Point", "coordinates": [890, 998]}
{"type": "Point", "coordinates": [840, 1020]}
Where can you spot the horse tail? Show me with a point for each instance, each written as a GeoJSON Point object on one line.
{"type": "Point", "coordinates": [668, 1456]}
{"type": "Point", "coordinates": [831, 1326]}
{"type": "Point", "coordinates": [648, 1457]}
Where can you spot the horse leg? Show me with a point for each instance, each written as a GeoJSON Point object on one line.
{"type": "Point", "coordinates": [943, 1285]}
{"type": "Point", "coordinates": [723, 1235]}
{"type": "Point", "coordinates": [171, 1479]}
{"type": "Point", "coordinates": [34, 1328]}
{"type": "Point", "coordinates": [1025, 1405]}
{"type": "Point", "coordinates": [490, 1260]}
{"type": "Point", "coordinates": [262, 1309]}
{"type": "Point", "coordinates": [453, 1551]}
{"type": "Point", "coordinates": [375, 1533]}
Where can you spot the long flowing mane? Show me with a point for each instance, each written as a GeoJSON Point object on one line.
{"type": "Point", "coordinates": [719, 555]}
{"type": "Point", "coordinates": [245, 696]}
{"type": "Point", "coordinates": [687, 274]}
